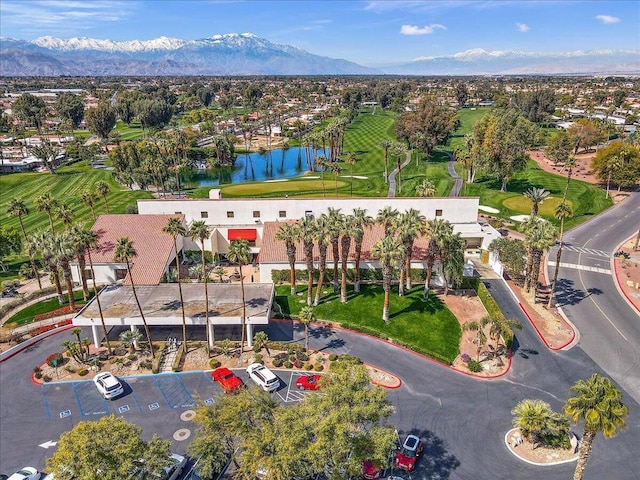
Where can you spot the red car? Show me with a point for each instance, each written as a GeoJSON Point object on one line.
{"type": "Point", "coordinates": [369, 470]}
{"type": "Point", "coordinates": [409, 453]}
{"type": "Point", "coordinates": [308, 382]}
{"type": "Point", "coordinates": [227, 379]}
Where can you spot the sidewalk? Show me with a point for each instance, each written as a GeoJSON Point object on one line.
{"type": "Point", "coordinates": [627, 273]}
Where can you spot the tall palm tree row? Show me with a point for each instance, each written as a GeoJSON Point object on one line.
{"type": "Point", "coordinates": [307, 229]}
{"type": "Point", "coordinates": [452, 257]}
{"type": "Point", "coordinates": [17, 208]}
{"type": "Point", "coordinates": [42, 242]}
{"type": "Point", "coordinates": [334, 218]}
{"type": "Point", "coordinates": [47, 203]}
{"type": "Point", "coordinates": [289, 234]}
{"type": "Point", "coordinates": [322, 232]}
{"type": "Point", "coordinates": [199, 230]}
{"type": "Point", "coordinates": [539, 235]}
{"type": "Point", "coordinates": [175, 228]}
{"type": "Point", "coordinates": [124, 252]}
{"type": "Point", "coordinates": [361, 221]}
{"type": "Point", "coordinates": [386, 145]}
{"type": "Point", "coordinates": [63, 250]}
{"type": "Point", "coordinates": [349, 228]}
{"type": "Point", "coordinates": [439, 230]}
{"type": "Point", "coordinates": [240, 254]}
{"type": "Point", "coordinates": [411, 224]}
{"type": "Point", "coordinates": [563, 212]}
{"type": "Point", "coordinates": [103, 189]}
{"type": "Point", "coordinates": [388, 251]}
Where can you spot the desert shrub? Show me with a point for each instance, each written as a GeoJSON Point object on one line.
{"type": "Point", "coordinates": [292, 358]}
{"type": "Point", "coordinates": [37, 372]}
{"type": "Point", "coordinates": [318, 367]}
{"type": "Point", "coordinates": [69, 369]}
{"type": "Point", "coordinates": [308, 366]}
{"type": "Point", "coordinates": [277, 362]}
{"type": "Point", "coordinates": [213, 363]}
{"type": "Point", "coordinates": [258, 357]}
{"type": "Point", "coordinates": [46, 378]}
{"type": "Point", "coordinates": [132, 357]}
{"type": "Point", "coordinates": [55, 359]}
{"type": "Point", "coordinates": [83, 372]}
{"type": "Point", "coordinates": [333, 357]}
{"type": "Point", "coordinates": [146, 364]}
{"type": "Point", "coordinates": [103, 357]}
{"type": "Point", "coordinates": [474, 366]}
{"type": "Point", "coordinates": [302, 357]}
{"type": "Point", "coordinates": [288, 364]}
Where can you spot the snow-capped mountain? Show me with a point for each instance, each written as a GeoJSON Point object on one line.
{"type": "Point", "coordinates": [478, 61]}
{"type": "Point", "coordinates": [229, 54]}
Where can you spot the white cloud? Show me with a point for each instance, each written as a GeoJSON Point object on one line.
{"type": "Point", "coordinates": [523, 27]}
{"type": "Point", "coordinates": [415, 30]}
{"type": "Point", "coordinates": [607, 19]}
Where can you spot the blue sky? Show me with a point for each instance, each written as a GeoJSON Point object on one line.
{"type": "Point", "coordinates": [366, 32]}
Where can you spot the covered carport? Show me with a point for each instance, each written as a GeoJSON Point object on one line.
{"type": "Point", "coordinates": [161, 306]}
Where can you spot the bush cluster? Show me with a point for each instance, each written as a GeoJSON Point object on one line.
{"type": "Point", "coordinates": [55, 359]}
{"type": "Point", "coordinates": [474, 366]}
{"type": "Point", "coordinates": [83, 372]}
{"type": "Point", "coordinates": [57, 312]}
{"type": "Point", "coordinates": [46, 328]}
{"type": "Point", "coordinates": [213, 363]}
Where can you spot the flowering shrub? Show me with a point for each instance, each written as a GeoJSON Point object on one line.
{"type": "Point", "coordinates": [55, 313]}
{"type": "Point", "coordinates": [465, 357]}
{"type": "Point", "coordinates": [55, 359]}
{"type": "Point", "coordinates": [46, 328]}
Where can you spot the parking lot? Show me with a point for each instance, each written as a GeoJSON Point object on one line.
{"type": "Point", "coordinates": [149, 394]}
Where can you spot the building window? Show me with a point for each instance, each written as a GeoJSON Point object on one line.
{"type": "Point", "coordinates": [438, 213]}
{"type": "Point", "coordinates": [282, 214]}
{"type": "Point", "coordinates": [121, 273]}
{"type": "Point", "coordinates": [177, 213]}
{"type": "Point", "coordinates": [256, 214]}
{"type": "Point", "coordinates": [204, 214]}
{"type": "Point", "coordinates": [229, 214]}
{"type": "Point", "coordinates": [308, 214]}
{"type": "Point", "coordinates": [87, 274]}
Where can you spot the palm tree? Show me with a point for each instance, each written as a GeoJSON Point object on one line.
{"type": "Point", "coordinates": [439, 230]}
{"type": "Point", "coordinates": [89, 200]}
{"type": "Point", "coordinates": [539, 235]}
{"type": "Point", "coordinates": [260, 341]}
{"type": "Point", "coordinates": [306, 230]}
{"type": "Point", "coordinates": [174, 228]}
{"type": "Point", "coordinates": [563, 212]}
{"type": "Point", "coordinates": [64, 213]}
{"type": "Point", "coordinates": [63, 250]}
{"type": "Point", "coordinates": [351, 159]}
{"type": "Point", "coordinates": [306, 316]}
{"type": "Point", "coordinates": [200, 231]}
{"type": "Point", "coordinates": [499, 326]}
{"type": "Point", "coordinates": [348, 230]}
{"type": "Point", "coordinates": [240, 254]}
{"type": "Point", "coordinates": [388, 218]}
{"type": "Point", "coordinates": [322, 233]}
{"type": "Point", "coordinates": [536, 196]}
{"type": "Point", "coordinates": [569, 165]}
{"type": "Point", "coordinates": [103, 189]}
{"type": "Point", "coordinates": [124, 252]}
{"type": "Point", "coordinates": [410, 225]}
{"type": "Point", "coordinates": [361, 220]}
{"type": "Point", "coordinates": [336, 169]}
{"type": "Point", "coordinates": [129, 339]}
{"type": "Point", "coordinates": [452, 257]}
{"type": "Point", "coordinates": [389, 252]}
{"type": "Point", "coordinates": [386, 145]}
{"type": "Point", "coordinates": [42, 241]}
{"type": "Point", "coordinates": [322, 162]}
{"type": "Point", "coordinates": [289, 234]}
{"type": "Point", "coordinates": [598, 403]}
{"type": "Point", "coordinates": [47, 203]}
{"type": "Point", "coordinates": [400, 152]}
{"type": "Point", "coordinates": [334, 218]}
{"type": "Point", "coordinates": [80, 239]}
{"type": "Point", "coordinates": [17, 208]}
{"type": "Point", "coordinates": [532, 418]}
{"type": "Point", "coordinates": [86, 239]}
{"type": "Point", "coordinates": [481, 337]}
{"type": "Point", "coordinates": [426, 189]}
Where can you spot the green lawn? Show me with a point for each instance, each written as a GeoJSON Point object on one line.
{"type": "Point", "coordinates": [26, 315]}
{"type": "Point", "coordinates": [129, 132]}
{"type": "Point", "coordinates": [426, 326]}
{"type": "Point", "coordinates": [468, 118]}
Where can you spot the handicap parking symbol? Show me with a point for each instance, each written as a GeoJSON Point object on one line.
{"type": "Point", "coordinates": [154, 406]}
{"type": "Point", "coordinates": [208, 401]}
{"type": "Point", "coordinates": [123, 408]}
{"type": "Point", "coordinates": [64, 414]}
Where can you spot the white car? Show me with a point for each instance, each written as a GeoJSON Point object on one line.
{"type": "Point", "coordinates": [172, 472]}
{"type": "Point", "coordinates": [27, 473]}
{"type": "Point", "coordinates": [108, 385]}
{"type": "Point", "coordinates": [264, 378]}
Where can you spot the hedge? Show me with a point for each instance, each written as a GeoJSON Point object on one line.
{"type": "Point", "coordinates": [492, 309]}
{"type": "Point", "coordinates": [178, 361]}
{"type": "Point", "coordinates": [157, 358]}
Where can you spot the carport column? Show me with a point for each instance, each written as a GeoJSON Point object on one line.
{"type": "Point", "coordinates": [94, 331]}
{"type": "Point", "coordinates": [249, 335]}
{"type": "Point", "coordinates": [211, 333]}
{"type": "Point", "coordinates": [133, 329]}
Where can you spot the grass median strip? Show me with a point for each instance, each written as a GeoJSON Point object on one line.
{"type": "Point", "coordinates": [426, 326]}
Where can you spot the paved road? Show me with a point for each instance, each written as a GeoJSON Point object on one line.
{"type": "Point", "coordinates": [457, 186]}
{"type": "Point", "coordinates": [463, 420]}
{"type": "Point", "coordinates": [609, 327]}
{"type": "Point", "coordinates": [392, 176]}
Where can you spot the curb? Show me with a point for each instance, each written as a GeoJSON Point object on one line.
{"type": "Point", "coordinates": [424, 357]}
{"type": "Point", "coordinates": [32, 341]}
{"type": "Point", "coordinates": [575, 334]}
{"type": "Point", "coordinates": [530, 462]}
{"type": "Point", "coordinates": [617, 282]}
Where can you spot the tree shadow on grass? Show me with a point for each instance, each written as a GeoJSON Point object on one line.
{"type": "Point", "coordinates": [436, 461]}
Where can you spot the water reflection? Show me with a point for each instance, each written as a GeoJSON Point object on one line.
{"type": "Point", "coordinates": [254, 167]}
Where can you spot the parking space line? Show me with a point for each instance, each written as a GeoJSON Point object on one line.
{"type": "Point", "coordinates": [176, 389]}
{"type": "Point", "coordinates": [80, 388]}
{"type": "Point", "coordinates": [155, 380]}
{"type": "Point", "coordinates": [193, 402]}
{"type": "Point", "coordinates": [46, 402]}
{"type": "Point", "coordinates": [73, 386]}
{"type": "Point", "coordinates": [133, 393]}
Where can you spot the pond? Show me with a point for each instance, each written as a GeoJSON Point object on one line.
{"type": "Point", "coordinates": [253, 167]}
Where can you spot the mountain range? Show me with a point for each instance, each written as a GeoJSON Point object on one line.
{"type": "Point", "coordinates": [248, 54]}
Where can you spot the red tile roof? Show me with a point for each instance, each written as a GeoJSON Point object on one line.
{"type": "Point", "coordinates": [152, 245]}
{"type": "Point", "coordinates": [274, 251]}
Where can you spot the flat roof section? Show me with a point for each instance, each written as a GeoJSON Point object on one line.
{"type": "Point", "coordinates": [161, 306]}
